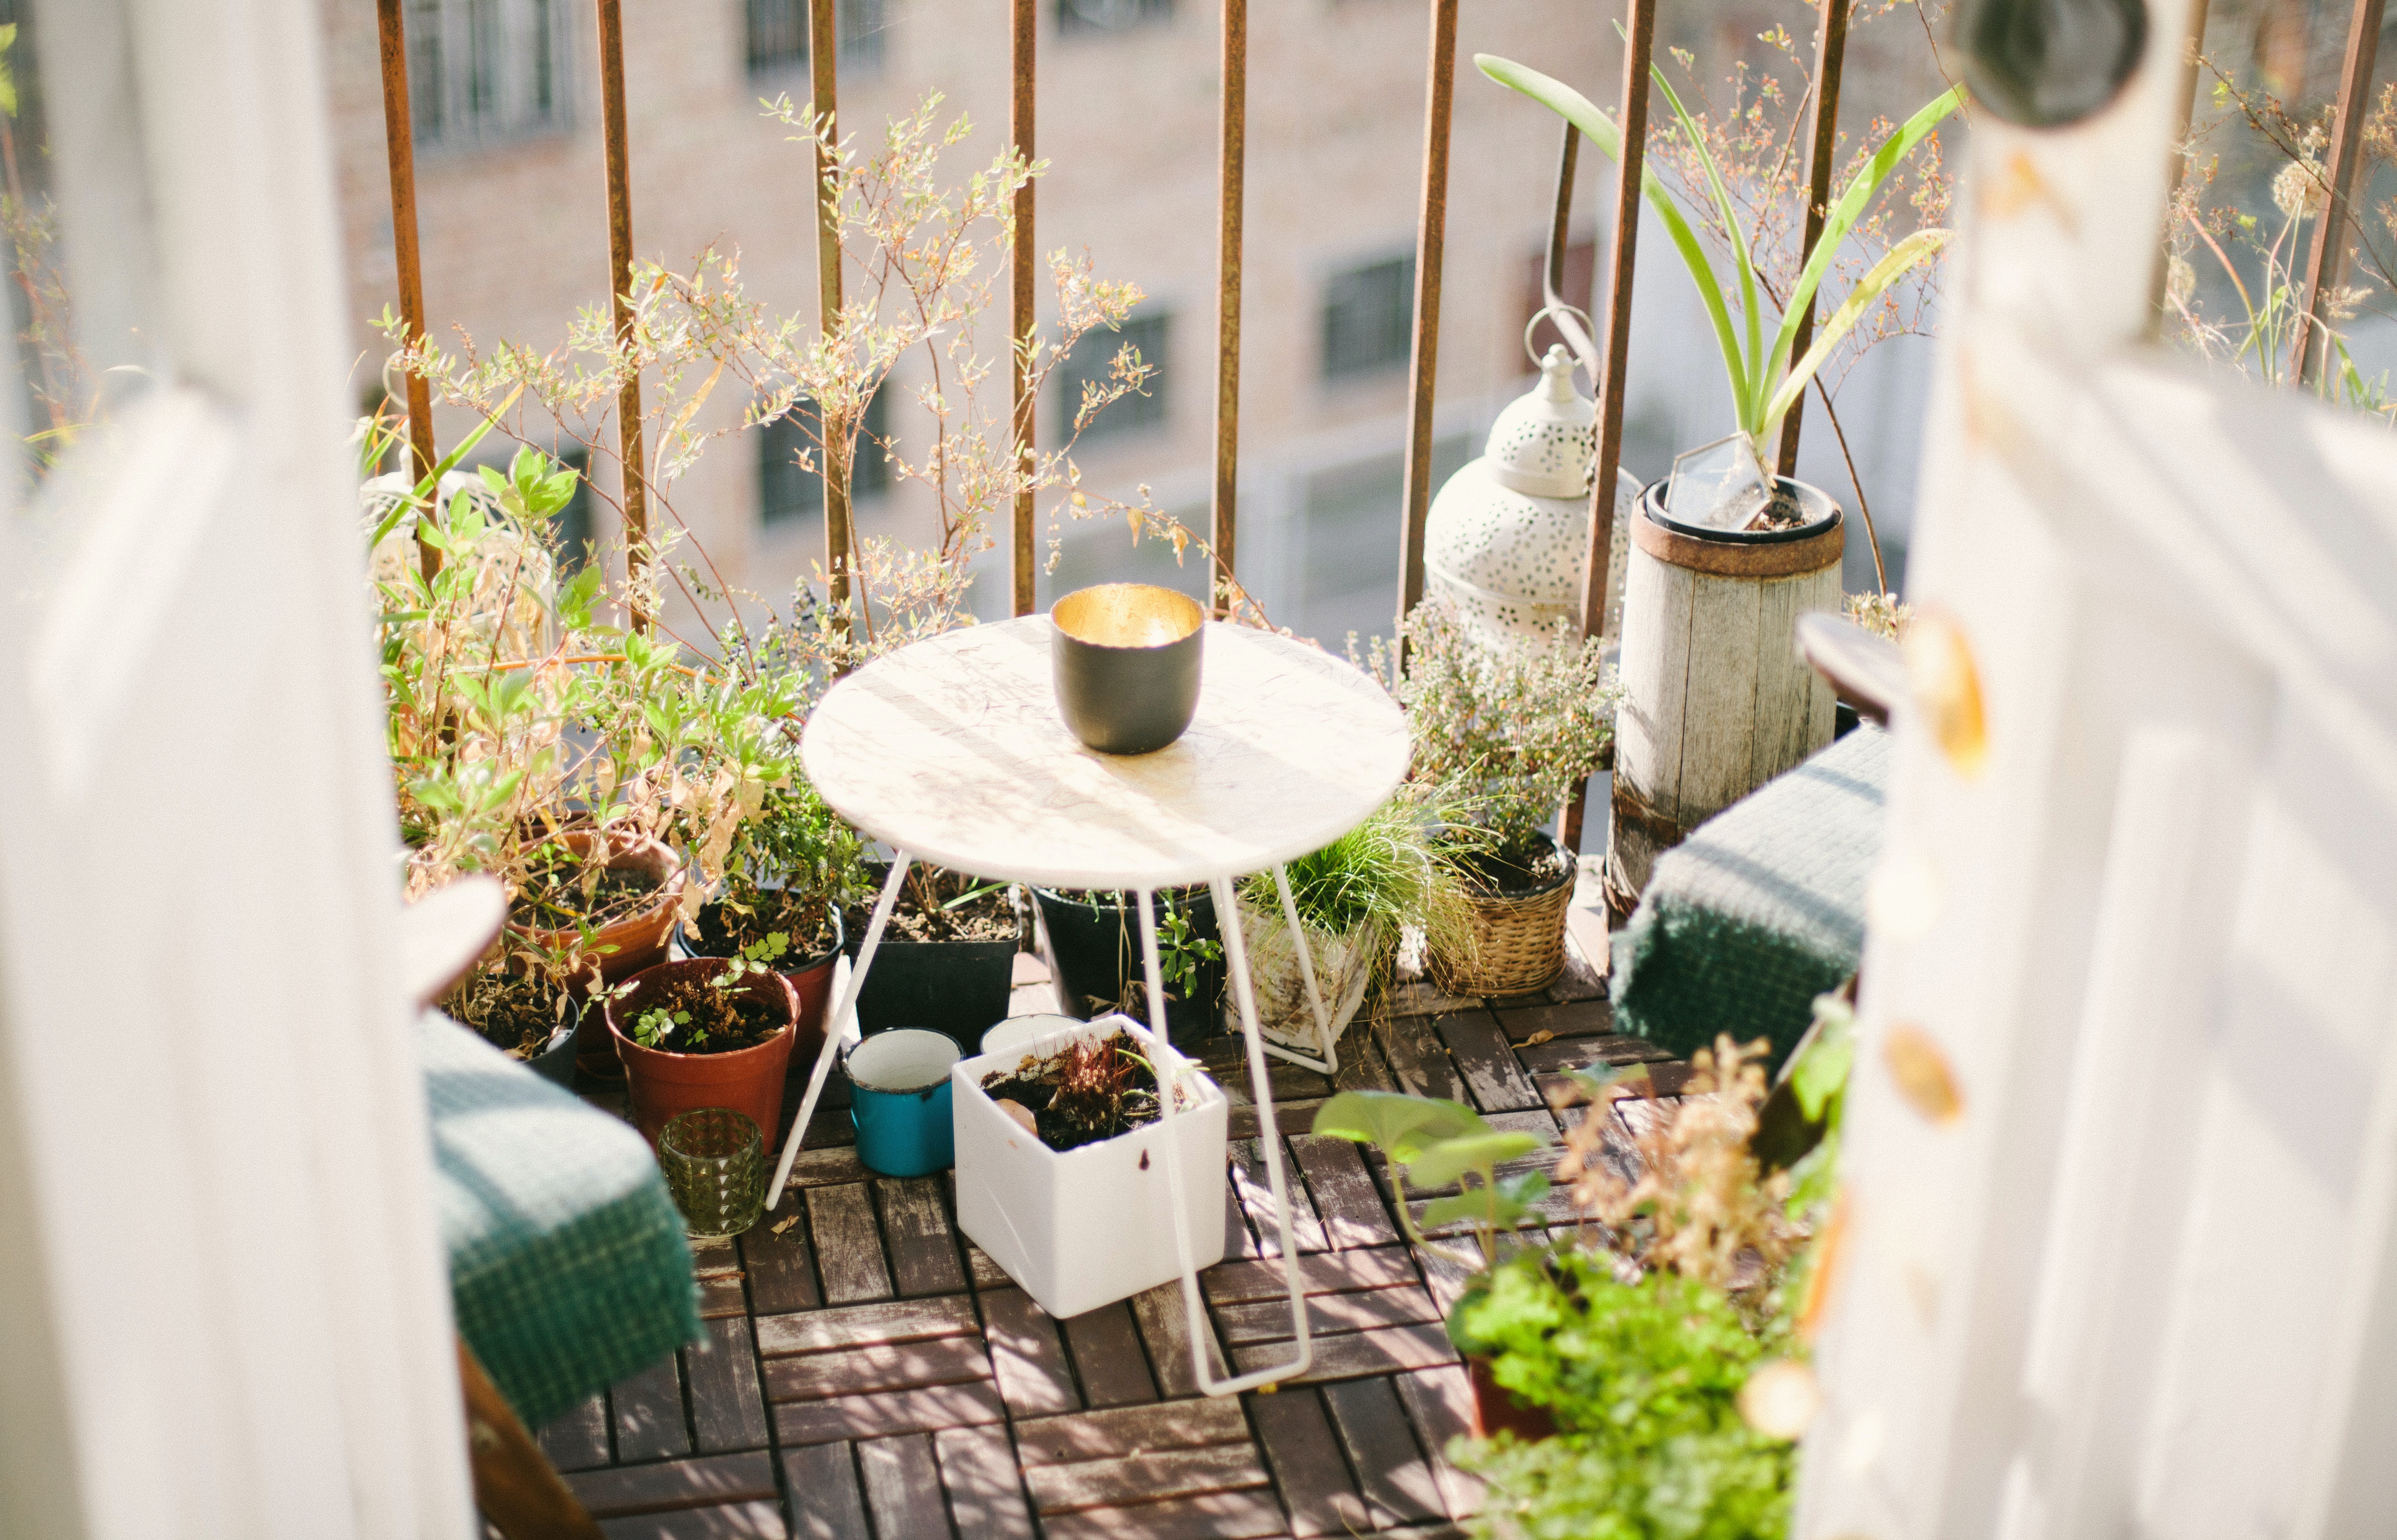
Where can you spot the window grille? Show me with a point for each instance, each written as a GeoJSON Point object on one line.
{"type": "Point", "coordinates": [1102, 16]}
{"type": "Point", "coordinates": [1369, 318]}
{"type": "Point", "coordinates": [1094, 359]}
{"type": "Point", "coordinates": [778, 34]}
{"type": "Point", "coordinates": [484, 72]}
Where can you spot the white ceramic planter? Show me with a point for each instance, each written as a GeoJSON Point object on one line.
{"type": "Point", "coordinates": [1092, 1225]}
{"type": "Point", "coordinates": [1343, 966]}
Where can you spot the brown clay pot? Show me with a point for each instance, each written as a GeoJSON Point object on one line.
{"type": "Point", "coordinates": [639, 939]}
{"type": "Point", "coordinates": [748, 1080]}
{"type": "Point", "coordinates": [1495, 1407]}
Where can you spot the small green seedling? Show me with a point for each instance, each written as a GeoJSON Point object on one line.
{"type": "Point", "coordinates": [1432, 1142]}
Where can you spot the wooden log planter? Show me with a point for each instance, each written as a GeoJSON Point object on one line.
{"type": "Point", "coordinates": [1717, 700]}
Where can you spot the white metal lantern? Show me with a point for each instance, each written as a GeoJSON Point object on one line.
{"type": "Point", "coordinates": [1507, 536]}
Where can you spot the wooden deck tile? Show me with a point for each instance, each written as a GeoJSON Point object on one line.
{"type": "Point", "coordinates": [923, 1250]}
{"type": "Point", "coordinates": [579, 1440]}
{"type": "Point", "coordinates": [1422, 997]}
{"type": "Point", "coordinates": [827, 1503]}
{"type": "Point", "coordinates": [902, 1488]}
{"type": "Point", "coordinates": [1421, 1060]}
{"type": "Point", "coordinates": [1248, 1515]}
{"type": "Point", "coordinates": [1349, 1208]}
{"type": "Point", "coordinates": [1440, 1403]}
{"type": "Point", "coordinates": [1306, 1464]}
{"type": "Point", "coordinates": [834, 1167]}
{"type": "Point", "coordinates": [781, 1267]}
{"type": "Point", "coordinates": [1243, 1122]}
{"type": "Point", "coordinates": [676, 1484]}
{"type": "Point", "coordinates": [1355, 1355]}
{"type": "Point", "coordinates": [1107, 1357]}
{"type": "Point", "coordinates": [1527, 1019]}
{"type": "Point", "coordinates": [1381, 1268]}
{"type": "Point", "coordinates": [736, 1521]}
{"type": "Point", "coordinates": [1164, 1323]}
{"type": "Point", "coordinates": [648, 1409]}
{"type": "Point", "coordinates": [1226, 1060]}
{"type": "Point", "coordinates": [1268, 1320]}
{"type": "Point", "coordinates": [726, 1412]}
{"type": "Point", "coordinates": [1483, 1057]}
{"type": "Point", "coordinates": [885, 1366]}
{"type": "Point", "coordinates": [1362, 1067]}
{"type": "Point", "coordinates": [986, 1273]}
{"type": "Point", "coordinates": [864, 1325]}
{"type": "Point", "coordinates": [1147, 1477]}
{"type": "Point", "coordinates": [716, 1266]}
{"type": "Point", "coordinates": [1027, 1355]}
{"type": "Point", "coordinates": [1390, 1470]}
{"type": "Point", "coordinates": [1249, 1180]}
{"type": "Point", "coordinates": [970, 1404]}
{"type": "Point", "coordinates": [1120, 1430]}
{"type": "Point", "coordinates": [986, 1489]}
{"type": "Point", "coordinates": [848, 1244]}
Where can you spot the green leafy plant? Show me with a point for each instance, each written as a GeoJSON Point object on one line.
{"type": "Point", "coordinates": [1765, 381]}
{"type": "Point", "coordinates": [653, 1027]}
{"type": "Point", "coordinates": [1645, 1378]}
{"type": "Point", "coordinates": [1183, 955]}
{"type": "Point", "coordinates": [1434, 1143]}
{"type": "Point", "coordinates": [1380, 877]}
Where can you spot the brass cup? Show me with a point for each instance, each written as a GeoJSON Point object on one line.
{"type": "Point", "coordinates": [1125, 657]}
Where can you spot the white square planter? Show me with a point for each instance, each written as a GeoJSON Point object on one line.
{"type": "Point", "coordinates": [1091, 1225]}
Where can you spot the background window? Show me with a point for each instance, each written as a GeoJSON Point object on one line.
{"type": "Point", "coordinates": [1369, 318]}
{"type": "Point", "coordinates": [1086, 15]}
{"type": "Point", "coordinates": [778, 34]}
{"type": "Point", "coordinates": [786, 491]}
{"type": "Point", "coordinates": [1093, 358]}
{"type": "Point", "coordinates": [481, 71]}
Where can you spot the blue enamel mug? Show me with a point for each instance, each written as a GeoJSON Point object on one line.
{"type": "Point", "coordinates": [899, 1099]}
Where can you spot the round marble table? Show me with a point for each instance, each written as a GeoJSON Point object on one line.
{"type": "Point", "coordinates": [953, 751]}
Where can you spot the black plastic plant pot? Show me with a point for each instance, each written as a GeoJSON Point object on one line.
{"type": "Point", "coordinates": [1822, 514]}
{"type": "Point", "coordinates": [1094, 942]}
{"type": "Point", "coordinates": [959, 988]}
{"type": "Point", "coordinates": [1126, 660]}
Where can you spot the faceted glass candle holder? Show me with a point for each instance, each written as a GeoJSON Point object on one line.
{"type": "Point", "coordinates": [1717, 486]}
{"type": "Point", "coordinates": [714, 1162]}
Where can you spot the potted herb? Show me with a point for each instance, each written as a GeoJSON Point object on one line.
{"type": "Point", "coordinates": [1354, 898]}
{"type": "Point", "coordinates": [704, 1033]}
{"type": "Point", "coordinates": [527, 1008]}
{"type": "Point", "coordinates": [794, 866]}
{"type": "Point", "coordinates": [1503, 734]}
{"type": "Point", "coordinates": [1095, 958]}
{"type": "Point", "coordinates": [1062, 1163]}
{"type": "Point", "coordinates": [947, 959]}
{"type": "Point", "coordinates": [1434, 1142]}
{"type": "Point", "coordinates": [611, 897]}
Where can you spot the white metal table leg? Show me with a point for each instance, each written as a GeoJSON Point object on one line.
{"type": "Point", "coordinates": [1268, 1134]}
{"type": "Point", "coordinates": [1329, 1047]}
{"type": "Point", "coordinates": [873, 942]}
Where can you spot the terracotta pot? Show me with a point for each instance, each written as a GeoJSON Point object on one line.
{"type": "Point", "coordinates": [747, 1081]}
{"type": "Point", "coordinates": [639, 939]}
{"type": "Point", "coordinates": [1496, 1408]}
{"type": "Point", "coordinates": [811, 977]}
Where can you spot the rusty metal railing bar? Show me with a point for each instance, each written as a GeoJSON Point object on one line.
{"type": "Point", "coordinates": [399, 142]}
{"type": "Point", "coordinates": [823, 72]}
{"type": "Point", "coordinates": [1431, 240]}
{"type": "Point", "coordinates": [1830, 58]}
{"type": "Point", "coordinates": [2327, 261]}
{"type": "Point", "coordinates": [1552, 270]}
{"type": "Point", "coordinates": [1025, 258]}
{"type": "Point", "coordinates": [620, 289]}
{"type": "Point", "coordinates": [1223, 523]}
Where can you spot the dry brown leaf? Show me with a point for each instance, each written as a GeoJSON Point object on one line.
{"type": "Point", "coordinates": [785, 1225]}
{"type": "Point", "coordinates": [1536, 1039]}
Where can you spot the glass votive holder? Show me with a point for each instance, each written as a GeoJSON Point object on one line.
{"type": "Point", "coordinates": [714, 1163]}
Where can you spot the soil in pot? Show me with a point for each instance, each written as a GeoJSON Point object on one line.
{"type": "Point", "coordinates": [686, 1013]}
{"type": "Point", "coordinates": [1095, 939]}
{"type": "Point", "coordinates": [746, 916]}
{"type": "Point", "coordinates": [514, 1012]}
{"type": "Point", "coordinates": [562, 893]}
{"type": "Point", "coordinates": [1090, 1093]}
{"type": "Point", "coordinates": [1518, 872]}
{"type": "Point", "coordinates": [947, 959]}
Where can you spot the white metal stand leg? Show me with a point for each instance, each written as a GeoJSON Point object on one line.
{"type": "Point", "coordinates": [1268, 1136]}
{"type": "Point", "coordinates": [1326, 1045]}
{"type": "Point", "coordinates": [825, 1056]}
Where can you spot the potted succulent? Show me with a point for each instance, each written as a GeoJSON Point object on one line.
{"type": "Point", "coordinates": [1354, 898]}
{"type": "Point", "coordinates": [792, 868]}
{"type": "Point", "coordinates": [1434, 1142]}
{"type": "Point", "coordinates": [1062, 1163]}
{"type": "Point", "coordinates": [1503, 733]}
{"type": "Point", "coordinates": [1095, 958]}
{"type": "Point", "coordinates": [947, 959]}
{"type": "Point", "coordinates": [704, 1033]}
{"type": "Point", "coordinates": [1725, 554]}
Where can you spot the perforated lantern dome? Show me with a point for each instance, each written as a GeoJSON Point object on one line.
{"type": "Point", "coordinates": [1506, 537]}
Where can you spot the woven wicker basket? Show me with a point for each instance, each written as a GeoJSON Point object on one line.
{"type": "Point", "coordinates": [1518, 943]}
